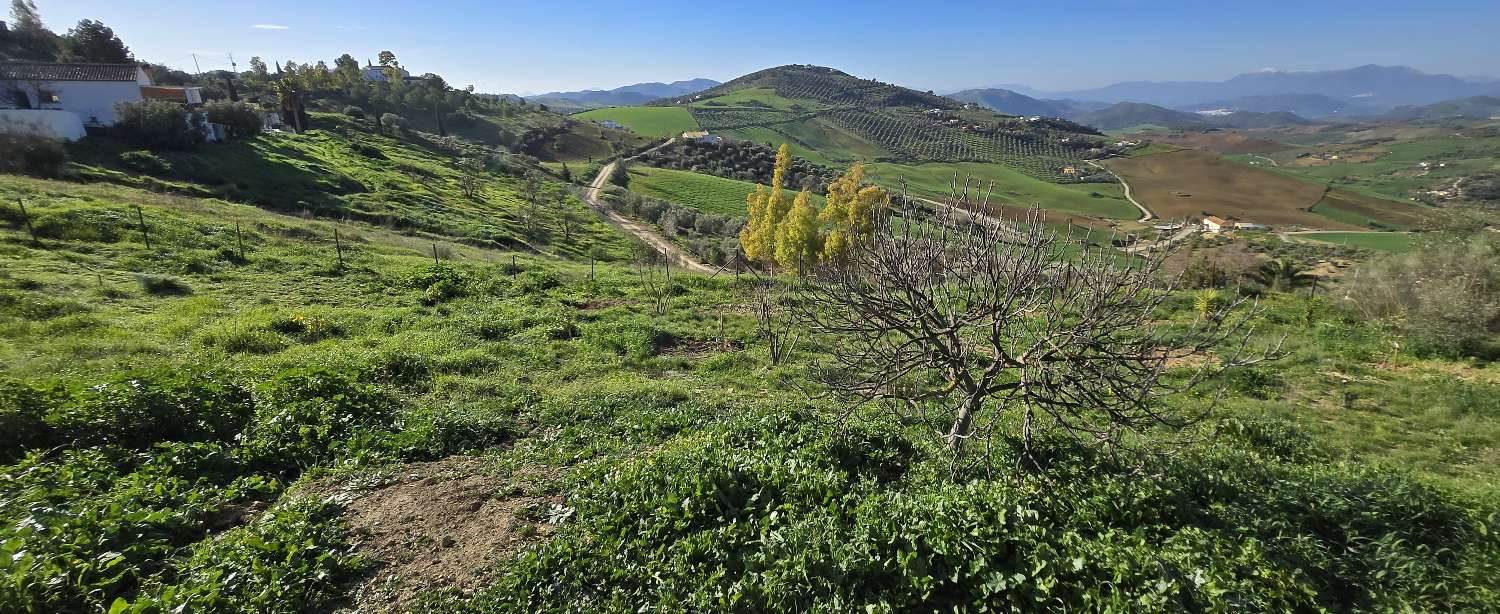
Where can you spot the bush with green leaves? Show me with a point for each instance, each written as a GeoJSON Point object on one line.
{"type": "Point", "coordinates": [157, 124]}
{"type": "Point", "coordinates": [1445, 296]}
{"type": "Point", "coordinates": [296, 558]}
{"type": "Point", "coordinates": [146, 162]}
{"type": "Point", "coordinates": [242, 118]}
{"type": "Point", "coordinates": [308, 416]}
{"type": "Point", "coordinates": [31, 155]}
{"type": "Point", "coordinates": [775, 515]}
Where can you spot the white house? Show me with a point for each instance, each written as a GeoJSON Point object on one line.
{"type": "Point", "coordinates": [378, 73]}
{"type": "Point", "coordinates": [1214, 223]}
{"type": "Point", "coordinates": [89, 91]}
{"type": "Point", "coordinates": [702, 136]}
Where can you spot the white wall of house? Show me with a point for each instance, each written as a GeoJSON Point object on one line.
{"type": "Point", "coordinates": [93, 101]}
{"type": "Point", "coordinates": [60, 125]}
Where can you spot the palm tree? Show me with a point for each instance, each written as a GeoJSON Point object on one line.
{"type": "Point", "coordinates": [1284, 275]}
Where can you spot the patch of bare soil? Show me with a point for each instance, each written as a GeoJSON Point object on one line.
{"type": "Point", "coordinates": [438, 525]}
{"type": "Point", "coordinates": [1234, 255]}
{"type": "Point", "coordinates": [697, 348]}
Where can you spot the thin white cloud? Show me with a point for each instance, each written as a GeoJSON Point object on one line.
{"type": "Point", "coordinates": [348, 27]}
{"type": "Point", "coordinates": [270, 26]}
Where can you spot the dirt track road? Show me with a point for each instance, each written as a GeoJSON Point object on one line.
{"type": "Point", "coordinates": [674, 254]}
{"type": "Point", "coordinates": [1145, 213]}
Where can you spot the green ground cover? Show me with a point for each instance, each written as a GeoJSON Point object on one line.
{"type": "Point", "coordinates": [658, 122]}
{"type": "Point", "coordinates": [933, 180]}
{"type": "Point", "coordinates": [705, 193]}
{"type": "Point", "coordinates": [147, 392]}
{"type": "Point", "coordinates": [1378, 241]}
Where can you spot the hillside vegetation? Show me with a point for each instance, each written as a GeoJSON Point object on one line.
{"type": "Point", "coordinates": [832, 117]}
{"type": "Point", "coordinates": [189, 427]}
{"type": "Point", "coordinates": [345, 169]}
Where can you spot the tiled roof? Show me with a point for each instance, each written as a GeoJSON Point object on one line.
{"type": "Point", "coordinates": [36, 71]}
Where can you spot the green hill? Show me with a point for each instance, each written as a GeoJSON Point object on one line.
{"type": "Point", "coordinates": [831, 117]}
{"type": "Point", "coordinates": [344, 169]}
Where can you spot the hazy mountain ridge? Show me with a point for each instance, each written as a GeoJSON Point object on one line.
{"type": "Point", "coordinates": [1364, 89]}
{"type": "Point", "coordinates": [630, 95]}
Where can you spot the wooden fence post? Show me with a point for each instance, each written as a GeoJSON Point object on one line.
{"type": "Point", "coordinates": [145, 236]}
{"type": "Point", "coordinates": [435, 261]}
{"type": "Point", "coordinates": [338, 247]}
{"type": "Point", "coordinates": [26, 217]}
{"type": "Point", "coordinates": [239, 240]}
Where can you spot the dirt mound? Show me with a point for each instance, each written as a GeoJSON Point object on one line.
{"type": "Point", "coordinates": [444, 524]}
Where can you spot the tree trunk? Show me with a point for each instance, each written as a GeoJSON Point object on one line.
{"type": "Point", "coordinates": [963, 424]}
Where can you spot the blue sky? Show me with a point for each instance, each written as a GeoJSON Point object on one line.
{"type": "Point", "coordinates": [542, 46]}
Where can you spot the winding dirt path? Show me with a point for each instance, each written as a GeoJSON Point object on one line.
{"type": "Point", "coordinates": [1146, 214]}
{"type": "Point", "coordinates": [674, 254]}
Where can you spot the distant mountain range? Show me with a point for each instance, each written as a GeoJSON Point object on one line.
{"type": "Point", "coordinates": [628, 95]}
{"type": "Point", "coordinates": [1105, 116]}
{"type": "Point", "coordinates": [1481, 107]}
{"type": "Point", "coordinates": [1362, 91]}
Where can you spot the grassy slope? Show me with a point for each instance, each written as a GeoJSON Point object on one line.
{"type": "Point", "coordinates": [648, 121]}
{"type": "Point", "coordinates": [343, 169]}
{"type": "Point", "coordinates": [1396, 175]}
{"type": "Point", "coordinates": [706, 193]}
{"type": "Point", "coordinates": [668, 435]}
{"type": "Point", "coordinates": [1385, 241]}
{"type": "Point", "coordinates": [932, 180]}
{"type": "Point", "coordinates": [815, 139]}
{"type": "Point", "coordinates": [755, 98]}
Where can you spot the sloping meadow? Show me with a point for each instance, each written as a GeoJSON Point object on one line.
{"type": "Point", "coordinates": [167, 411]}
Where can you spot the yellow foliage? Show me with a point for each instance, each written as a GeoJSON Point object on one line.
{"type": "Point", "coordinates": [852, 212]}
{"type": "Point", "coordinates": [798, 241]}
{"type": "Point", "coordinates": [753, 238]}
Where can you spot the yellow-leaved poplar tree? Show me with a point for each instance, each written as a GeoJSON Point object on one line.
{"type": "Point", "coordinates": [798, 240]}
{"type": "Point", "coordinates": [753, 237]}
{"type": "Point", "coordinates": [852, 212]}
{"type": "Point", "coordinates": [759, 236]}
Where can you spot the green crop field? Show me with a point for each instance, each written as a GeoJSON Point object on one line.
{"type": "Point", "coordinates": [657, 122]}
{"type": "Point", "coordinates": [705, 193]}
{"type": "Point", "coordinates": [757, 98]}
{"type": "Point", "coordinates": [1377, 241]}
{"type": "Point", "coordinates": [933, 180]}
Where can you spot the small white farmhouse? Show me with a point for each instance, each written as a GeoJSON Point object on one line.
{"type": "Point", "coordinates": [1214, 223]}
{"type": "Point", "coordinates": [89, 91]}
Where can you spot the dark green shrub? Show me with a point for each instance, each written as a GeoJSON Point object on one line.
{"type": "Point", "coordinates": [31, 155]}
{"type": "Point", "coordinates": [307, 416]}
{"type": "Point", "coordinates": [138, 409]}
{"type": "Point", "coordinates": [157, 124]}
{"type": "Point", "coordinates": [91, 225]}
{"type": "Point", "coordinates": [146, 162]}
{"type": "Point", "coordinates": [242, 119]}
{"type": "Point", "coordinates": [23, 418]}
{"type": "Point", "coordinates": [296, 558]}
{"type": "Point", "coordinates": [163, 285]}
{"type": "Point", "coordinates": [770, 515]}
{"type": "Point", "coordinates": [367, 150]}
{"type": "Point", "coordinates": [92, 525]}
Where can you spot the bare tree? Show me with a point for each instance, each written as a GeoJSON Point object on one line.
{"type": "Point", "coordinates": [775, 321]}
{"type": "Point", "coordinates": [957, 319]}
{"type": "Point", "coordinates": [470, 180]}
